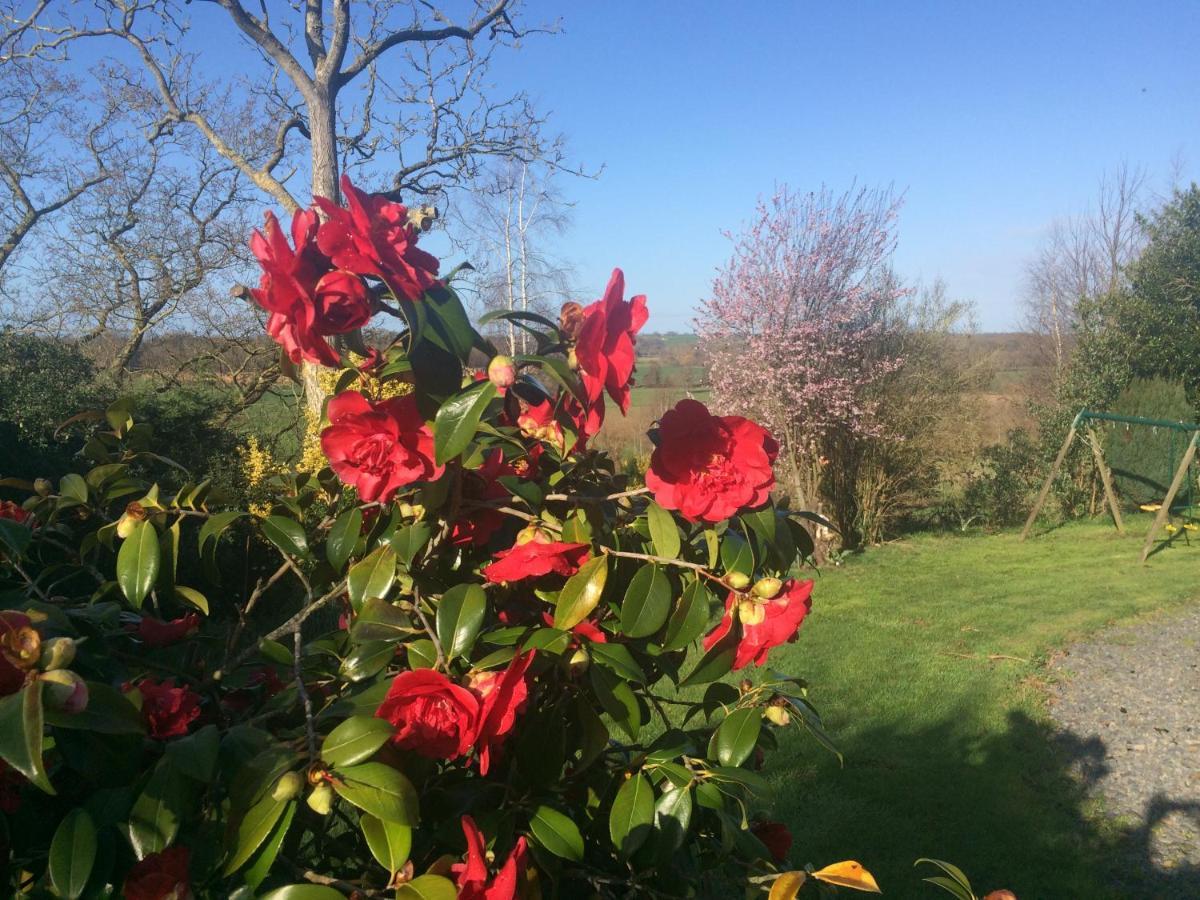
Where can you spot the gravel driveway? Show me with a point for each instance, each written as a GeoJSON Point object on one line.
{"type": "Point", "coordinates": [1132, 695]}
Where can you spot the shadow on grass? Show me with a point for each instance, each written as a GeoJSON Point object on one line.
{"type": "Point", "coordinates": [1012, 809]}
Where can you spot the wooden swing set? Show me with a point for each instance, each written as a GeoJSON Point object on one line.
{"type": "Point", "coordinates": [1083, 423]}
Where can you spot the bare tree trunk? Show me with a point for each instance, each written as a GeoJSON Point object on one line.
{"type": "Point", "coordinates": [322, 120]}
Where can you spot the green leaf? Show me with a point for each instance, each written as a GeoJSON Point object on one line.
{"type": "Point", "coordinates": [343, 537]}
{"type": "Point", "coordinates": [618, 700]}
{"type": "Point", "coordinates": [647, 601]}
{"type": "Point", "coordinates": [154, 819]}
{"type": "Point", "coordinates": [663, 531]}
{"type": "Point", "coordinates": [581, 594]}
{"type": "Point", "coordinates": [74, 487]}
{"type": "Point", "coordinates": [371, 576]}
{"type": "Point", "coordinates": [618, 658]}
{"type": "Point", "coordinates": [354, 740]}
{"type": "Point", "coordinates": [410, 540]}
{"type": "Point", "coordinates": [108, 712]}
{"type": "Point", "coordinates": [286, 534]}
{"type": "Point", "coordinates": [196, 755]}
{"type": "Point", "coordinates": [264, 858]}
{"type": "Point", "coordinates": [735, 737]}
{"type": "Point", "coordinates": [689, 618]}
{"type": "Point", "coordinates": [458, 419]}
{"type": "Point", "coordinates": [21, 734]}
{"type": "Point", "coordinates": [426, 887]}
{"type": "Point", "coordinates": [14, 537]}
{"type": "Point", "coordinates": [421, 654]}
{"type": "Point", "coordinates": [379, 620]}
{"type": "Point", "coordinates": [715, 663]}
{"type": "Point", "coordinates": [557, 833]}
{"type": "Point", "coordinates": [305, 892]}
{"type": "Point", "coordinates": [137, 563]}
{"type": "Point", "coordinates": [168, 553]}
{"type": "Point", "coordinates": [73, 853]}
{"type": "Point", "coordinates": [380, 790]}
{"type": "Point", "coordinates": [632, 815]}
{"type": "Point", "coordinates": [736, 553]}
{"type": "Point", "coordinates": [215, 525]}
{"type": "Point", "coordinates": [459, 617]}
{"type": "Point", "coordinates": [672, 816]}
{"type": "Point", "coordinates": [389, 842]}
{"type": "Point", "coordinates": [192, 597]}
{"type": "Point", "coordinates": [254, 828]}
{"type": "Point", "coordinates": [367, 659]}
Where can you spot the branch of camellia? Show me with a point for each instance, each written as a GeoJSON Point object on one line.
{"type": "Point", "coordinates": [585, 499]}
{"type": "Point", "coordinates": [285, 629]}
{"type": "Point", "coordinates": [259, 589]}
{"type": "Point", "coordinates": [310, 729]}
{"type": "Point", "coordinates": [665, 561]}
{"type": "Point", "coordinates": [429, 630]}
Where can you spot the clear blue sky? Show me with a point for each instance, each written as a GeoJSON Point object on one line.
{"type": "Point", "coordinates": [994, 118]}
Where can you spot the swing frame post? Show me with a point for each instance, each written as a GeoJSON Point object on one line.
{"type": "Point", "coordinates": [1110, 495]}
{"type": "Point", "coordinates": [1046, 485]}
{"type": "Point", "coordinates": [1164, 511]}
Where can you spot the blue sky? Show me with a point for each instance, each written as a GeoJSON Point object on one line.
{"type": "Point", "coordinates": [992, 118]}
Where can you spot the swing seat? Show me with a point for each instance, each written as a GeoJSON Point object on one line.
{"type": "Point", "coordinates": [1150, 507]}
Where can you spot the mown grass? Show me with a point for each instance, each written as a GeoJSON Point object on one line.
{"type": "Point", "coordinates": [926, 659]}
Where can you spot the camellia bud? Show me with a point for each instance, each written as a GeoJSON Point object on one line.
{"type": "Point", "coordinates": [502, 372]}
{"type": "Point", "coordinates": [767, 588]}
{"type": "Point", "coordinates": [42, 487]}
{"type": "Point", "coordinates": [579, 661]}
{"type": "Point", "coordinates": [532, 533]}
{"type": "Point", "coordinates": [572, 360]}
{"type": "Point", "coordinates": [751, 613]}
{"type": "Point", "coordinates": [134, 513]}
{"type": "Point", "coordinates": [288, 786]}
{"type": "Point", "coordinates": [65, 691]}
{"type": "Point", "coordinates": [746, 685]}
{"type": "Point", "coordinates": [320, 799]}
{"type": "Point", "coordinates": [777, 715]}
{"type": "Point", "coordinates": [739, 581]}
{"type": "Point", "coordinates": [57, 653]}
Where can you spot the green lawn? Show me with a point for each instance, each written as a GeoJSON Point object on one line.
{"type": "Point", "coordinates": [946, 749]}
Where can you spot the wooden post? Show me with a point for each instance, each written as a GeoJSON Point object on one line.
{"type": "Point", "coordinates": [1106, 477]}
{"type": "Point", "coordinates": [1165, 510]}
{"type": "Point", "coordinates": [1042, 494]}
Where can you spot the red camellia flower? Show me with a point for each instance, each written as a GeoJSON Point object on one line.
{"type": "Point", "coordinates": [378, 446]}
{"type": "Point", "coordinates": [307, 299]}
{"type": "Point", "coordinates": [775, 837]}
{"type": "Point", "coordinates": [20, 647]}
{"type": "Point", "coordinates": [765, 623]}
{"type": "Point", "coordinates": [472, 875]}
{"type": "Point", "coordinates": [167, 710]}
{"type": "Point", "coordinates": [432, 715]}
{"type": "Point", "coordinates": [156, 633]}
{"type": "Point", "coordinates": [13, 512]}
{"type": "Point", "coordinates": [710, 467]}
{"type": "Point", "coordinates": [502, 696]}
{"type": "Point", "coordinates": [535, 557]}
{"type": "Point", "coordinates": [371, 235]}
{"type": "Point", "coordinates": [475, 527]}
{"type": "Point", "coordinates": [604, 348]}
{"type": "Point", "coordinates": [160, 876]}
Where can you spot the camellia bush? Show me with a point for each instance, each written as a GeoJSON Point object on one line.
{"type": "Point", "coordinates": [466, 659]}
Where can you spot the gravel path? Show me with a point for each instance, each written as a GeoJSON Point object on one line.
{"type": "Point", "coordinates": [1128, 705]}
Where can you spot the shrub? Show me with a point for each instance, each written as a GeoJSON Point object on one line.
{"type": "Point", "coordinates": [1000, 491]}
{"type": "Point", "coordinates": [466, 631]}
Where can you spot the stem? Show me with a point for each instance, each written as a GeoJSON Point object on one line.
{"type": "Point", "coordinates": [662, 560]}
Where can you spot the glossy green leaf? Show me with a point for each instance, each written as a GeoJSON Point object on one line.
{"type": "Point", "coordinates": [21, 734]}
{"type": "Point", "coordinates": [254, 829]}
{"type": "Point", "coordinates": [421, 654]}
{"type": "Point", "coordinates": [107, 712]}
{"type": "Point", "coordinates": [736, 553]}
{"type": "Point", "coordinates": [379, 620]}
{"type": "Point", "coordinates": [618, 700]}
{"type": "Point", "coordinates": [158, 810]}
{"type": "Point", "coordinates": [581, 594]}
{"type": "Point", "coordinates": [647, 601]}
{"type": "Point", "coordinates": [73, 853]}
{"type": "Point", "coordinates": [380, 790]}
{"type": "Point", "coordinates": [264, 858]}
{"type": "Point", "coordinates": [459, 617]}
{"type": "Point", "coordinates": [389, 842]}
{"type": "Point", "coordinates": [410, 540]}
{"type": "Point", "coordinates": [663, 531]}
{"type": "Point", "coordinates": [356, 739]}
{"type": "Point", "coordinates": [736, 736]}
{"type": "Point", "coordinates": [215, 525]}
{"type": "Point", "coordinates": [673, 816]}
{"type": "Point", "coordinates": [458, 419]}
{"type": "Point", "coordinates": [343, 538]}
{"type": "Point", "coordinates": [557, 833]}
{"type": "Point", "coordinates": [74, 487]}
{"type": "Point", "coordinates": [366, 660]}
{"type": "Point", "coordinates": [286, 534]}
{"type": "Point", "coordinates": [632, 815]}
{"type": "Point", "coordinates": [689, 618]}
{"type": "Point", "coordinates": [195, 755]}
{"type": "Point", "coordinates": [305, 892]}
{"type": "Point", "coordinates": [137, 563]}
{"type": "Point", "coordinates": [371, 576]}
{"type": "Point", "coordinates": [14, 537]}
{"type": "Point", "coordinates": [427, 887]}
{"type": "Point", "coordinates": [618, 658]}
{"type": "Point", "coordinates": [712, 665]}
